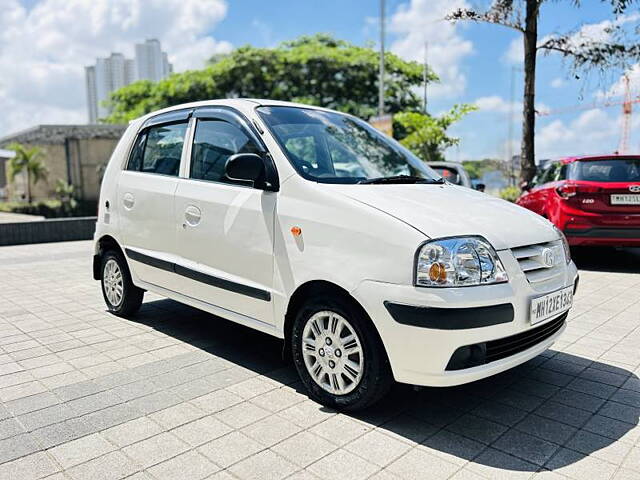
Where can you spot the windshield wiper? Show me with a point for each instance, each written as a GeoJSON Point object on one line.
{"type": "Point", "coordinates": [402, 179]}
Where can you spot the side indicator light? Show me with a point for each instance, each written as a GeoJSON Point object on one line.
{"type": "Point", "coordinates": [296, 231]}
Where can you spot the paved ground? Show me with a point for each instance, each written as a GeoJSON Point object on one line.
{"type": "Point", "coordinates": [18, 217]}
{"type": "Point", "coordinates": [177, 393]}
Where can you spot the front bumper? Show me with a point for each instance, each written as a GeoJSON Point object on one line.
{"type": "Point", "coordinates": [420, 354]}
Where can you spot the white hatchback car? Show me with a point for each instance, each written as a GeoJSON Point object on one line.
{"type": "Point", "coordinates": [310, 225]}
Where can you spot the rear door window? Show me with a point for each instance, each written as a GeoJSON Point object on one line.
{"type": "Point", "coordinates": [158, 150]}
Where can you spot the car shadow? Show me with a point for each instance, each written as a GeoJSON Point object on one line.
{"type": "Point", "coordinates": [549, 413]}
{"type": "Point", "coordinates": [607, 259]}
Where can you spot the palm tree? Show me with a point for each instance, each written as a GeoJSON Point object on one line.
{"type": "Point", "coordinates": [27, 160]}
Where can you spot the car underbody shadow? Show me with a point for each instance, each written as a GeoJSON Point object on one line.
{"type": "Point", "coordinates": [547, 414]}
{"type": "Point", "coordinates": [607, 259]}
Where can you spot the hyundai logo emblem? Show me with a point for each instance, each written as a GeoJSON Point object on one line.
{"type": "Point", "coordinates": [548, 257]}
{"type": "Point", "coordinates": [634, 188]}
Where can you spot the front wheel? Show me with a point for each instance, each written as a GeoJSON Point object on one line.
{"type": "Point", "coordinates": [339, 356]}
{"type": "Point", "coordinates": [122, 297]}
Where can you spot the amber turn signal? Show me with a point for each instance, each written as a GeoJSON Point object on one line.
{"type": "Point", "coordinates": [296, 231]}
{"type": "Point", "coordinates": [437, 273]}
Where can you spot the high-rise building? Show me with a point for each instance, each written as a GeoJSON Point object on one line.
{"type": "Point", "coordinates": [151, 62]}
{"type": "Point", "coordinates": [116, 71]}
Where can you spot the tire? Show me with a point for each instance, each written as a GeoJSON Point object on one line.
{"type": "Point", "coordinates": [115, 276]}
{"type": "Point", "coordinates": [340, 389]}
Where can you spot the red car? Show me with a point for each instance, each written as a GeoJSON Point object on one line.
{"type": "Point", "coordinates": [594, 200]}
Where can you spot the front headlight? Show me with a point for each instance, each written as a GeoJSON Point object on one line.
{"type": "Point", "coordinates": [458, 262]}
{"type": "Point", "coordinates": [565, 244]}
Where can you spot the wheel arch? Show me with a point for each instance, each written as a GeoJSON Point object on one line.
{"type": "Point", "coordinates": [315, 288]}
{"type": "Point", "coordinates": [105, 243]}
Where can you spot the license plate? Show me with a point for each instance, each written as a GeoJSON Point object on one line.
{"type": "Point", "coordinates": [551, 305]}
{"type": "Point", "coordinates": [625, 199]}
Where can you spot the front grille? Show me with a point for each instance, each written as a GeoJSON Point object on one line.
{"type": "Point", "coordinates": [494, 350]}
{"type": "Point", "coordinates": [505, 347]}
{"type": "Point", "coordinates": [532, 262]}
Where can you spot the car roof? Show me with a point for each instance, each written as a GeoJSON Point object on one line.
{"type": "Point", "coordinates": [609, 156]}
{"type": "Point", "coordinates": [234, 102]}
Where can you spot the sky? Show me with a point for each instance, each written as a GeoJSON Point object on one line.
{"type": "Point", "coordinates": [45, 44]}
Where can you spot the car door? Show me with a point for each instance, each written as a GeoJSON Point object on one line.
{"type": "Point", "coordinates": [224, 230]}
{"type": "Point", "coordinates": [534, 199]}
{"type": "Point", "coordinates": [547, 192]}
{"type": "Point", "coordinates": [146, 191]}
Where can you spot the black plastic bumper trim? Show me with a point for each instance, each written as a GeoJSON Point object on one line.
{"type": "Point", "coordinates": [487, 352]}
{"type": "Point", "coordinates": [450, 318]}
{"type": "Point", "coordinates": [199, 276]}
{"type": "Point", "coordinates": [604, 232]}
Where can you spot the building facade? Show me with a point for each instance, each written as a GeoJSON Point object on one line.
{"type": "Point", "coordinates": [151, 62]}
{"type": "Point", "coordinates": [5, 155]}
{"type": "Point", "coordinates": [116, 71]}
{"type": "Point", "coordinates": [77, 154]}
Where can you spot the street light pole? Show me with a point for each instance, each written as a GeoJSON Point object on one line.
{"type": "Point", "coordinates": [510, 128]}
{"type": "Point", "coordinates": [381, 73]}
{"type": "Point", "coordinates": [425, 75]}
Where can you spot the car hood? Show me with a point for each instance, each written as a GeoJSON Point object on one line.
{"type": "Point", "coordinates": [449, 210]}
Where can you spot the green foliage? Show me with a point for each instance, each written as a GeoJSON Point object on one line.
{"type": "Point", "coordinates": [66, 195]}
{"type": "Point", "coordinates": [510, 194]}
{"type": "Point", "coordinates": [45, 208]}
{"type": "Point", "coordinates": [426, 136]}
{"type": "Point", "coordinates": [53, 208]}
{"type": "Point", "coordinates": [28, 160]}
{"type": "Point", "coordinates": [477, 168]}
{"type": "Point", "coordinates": [319, 70]}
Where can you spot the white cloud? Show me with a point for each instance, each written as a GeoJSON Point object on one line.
{"type": "Point", "coordinates": [495, 103]}
{"type": "Point", "coordinates": [601, 32]}
{"type": "Point", "coordinates": [594, 131]}
{"type": "Point", "coordinates": [423, 20]}
{"type": "Point", "coordinates": [617, 89]}
{"type": "Point", "coordinates": [515, 52]}
{"type": "Point", "coordinates": [43, 49]}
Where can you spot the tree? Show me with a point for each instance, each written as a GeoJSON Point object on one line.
{"type": "Point", "coordinates": [319, 70]}
{"type": "Point", "coordinates": [27, 160]}
{"type": "Point", "coordinates": [582, 52]}
{"type": "Point", "coordinates": [426, 136]}
{"type": "Point", "coordinates": [66, 193]}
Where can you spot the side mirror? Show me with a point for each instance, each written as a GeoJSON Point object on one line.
{"type": "Point", "coordinates": [247, 168]}
{"type": "Point", "coordinates": [480, 187]}
{"type": "Point", "coordinates": [525, 186]}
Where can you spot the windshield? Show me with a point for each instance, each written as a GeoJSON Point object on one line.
{"type": "Point", "coordinates": [330, 147]}
{"type": "Point", "coordinates": [609, 170]}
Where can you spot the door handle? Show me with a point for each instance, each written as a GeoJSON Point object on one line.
{"type": "Point", "coordinates": [192, 215]}
{"type": "Point", "coordinates": [128, 201]}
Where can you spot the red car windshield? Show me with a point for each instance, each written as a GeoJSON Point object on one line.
{"type": "Point", "coordinates": [607, 170]}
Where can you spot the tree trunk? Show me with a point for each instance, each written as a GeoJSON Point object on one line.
{"type": "Point", "coordinates": [527, 155]}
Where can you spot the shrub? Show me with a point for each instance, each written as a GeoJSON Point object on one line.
{"type": "Point", "coordinates": [510, 194]}
{"type": "Point", "coordinates": [51, 208]}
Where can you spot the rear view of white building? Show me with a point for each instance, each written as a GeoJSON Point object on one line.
{"type": "Point", "coordinates": [151, 62]}
{"type": "Point", "coordinates": [116, 71]}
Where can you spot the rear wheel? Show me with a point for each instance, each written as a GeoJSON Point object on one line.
{"type": "Point", "coordinates": [339, 356]}
{"type": "Point", "coordinates": [122, 297]}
